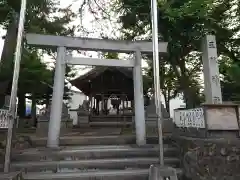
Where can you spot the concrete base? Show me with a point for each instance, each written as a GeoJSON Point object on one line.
{"type": "Point", "coordinates": [42, 127]}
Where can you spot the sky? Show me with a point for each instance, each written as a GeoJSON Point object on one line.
{"type": "Point", "coordinates": [88, 24]}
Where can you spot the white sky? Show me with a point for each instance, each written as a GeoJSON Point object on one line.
{"type": "Point", "coordinates": [87, 22]}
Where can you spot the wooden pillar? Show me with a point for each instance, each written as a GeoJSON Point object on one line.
{"type": "Point", "coordinates": [132, 106]}
{"type": "Point", "coordinates": [102, 103]}
{"type": "Point", "coordinates": [105, 106]}
{"type": "Point", "coordinates": [97, 108]}
{"type": "Point", "coordinates": [90, 100]}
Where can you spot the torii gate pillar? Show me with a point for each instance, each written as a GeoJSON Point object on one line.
{"type": "Point", "coordinates": [140, 124]}
{"type": "Point", "coordinates": [57, 100]}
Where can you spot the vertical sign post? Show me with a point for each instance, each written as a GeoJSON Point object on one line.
{"type": "Point", "coordinates": [157, 91]}
{"type": "Point", "coordinates": [13, 99]}
{"type": "Point", "coordinates": [211, 71]}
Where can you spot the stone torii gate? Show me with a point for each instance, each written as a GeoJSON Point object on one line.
{"type": "Point", "coordinates": [73, 43]}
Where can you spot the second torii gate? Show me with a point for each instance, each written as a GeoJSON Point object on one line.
{"type": "Point", "coordinates": [64, 43]}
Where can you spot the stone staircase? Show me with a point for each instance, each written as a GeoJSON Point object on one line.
{"type": "Point", "coordinates": [89, 157]}
{"type": "Point", "coordinates": [111, 121]}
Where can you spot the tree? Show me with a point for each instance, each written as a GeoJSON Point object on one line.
{"type": "Point", "coordinates": [110, 55]}
{"type": "Point", "coordinates": [168, 81]}
{"type": "Point", "coordinates": [32, 73]}
{"type": "Point", "coordinates": [182, 24]}
{"type": "Point", "coordinates": [230, 81]}
{"type": "Point", "coordinates": [43, 17]}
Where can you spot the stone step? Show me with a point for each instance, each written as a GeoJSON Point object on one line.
{"type": "Point", "coordinates": [11, 176]}
{"type": "Point", "coordinates": [97, 119]}
{"type": "Point", "coordinates": [110, 124]}
{"type": "Point", "coordinates": [128, 174]}
{"type": "Point", "coordinates": [97, 140]}
{"type": "Point", "coordinates": [115, 163]}
{"type": "Point", "coordinates": [93, 152]}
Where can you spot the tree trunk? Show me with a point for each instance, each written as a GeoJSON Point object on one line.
{"type": "Point", "coordinates": [21, 105]}
{"type": "Point", "coordinates": [189, 94]}
{"type": "Point", "coordinates": [47, 102]}
{"type": "Point", "coordinates": [6, 63]}
{"type": "Point", "coordinates": [168, 107]}
{"type": "Point", "coordinates": [9, 45]}
{"type": "Point", "coordinates": [167, 102]}
{"type": "Point", "coordinates": [2, 100]}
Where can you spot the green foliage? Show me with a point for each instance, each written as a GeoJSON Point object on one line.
{"type": "Point", "coordinates": [168, 81]}
{"type": "Point", "coordinates": [44, 17]}
{"type": "Point", "coordinates": [111, 55]}
{"type": "Point", "coordinates": [183, 24]}
{"type": "Point", "coordinates": [230, 80]}
{"type": "Point", "coordinates": [33, 73]}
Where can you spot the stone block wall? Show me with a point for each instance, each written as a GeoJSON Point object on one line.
{"type": "Point", "coordinates": [210, 159]}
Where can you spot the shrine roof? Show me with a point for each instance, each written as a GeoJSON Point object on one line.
{"type": "Point", "coordinates": [106, 80]}
{"type": "Point", "coordinates": [100, 70]}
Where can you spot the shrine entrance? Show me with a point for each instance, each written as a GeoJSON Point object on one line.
{"type": "Point", "coordinates": [110, 104]}
{"type": "Point", "coordinates": [70, 43]}
{"type": "Point", "coordinates": [111, 96]}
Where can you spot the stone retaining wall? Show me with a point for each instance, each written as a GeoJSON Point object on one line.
{"type": "Point", "coordinates": [210, 159]}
